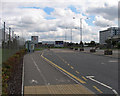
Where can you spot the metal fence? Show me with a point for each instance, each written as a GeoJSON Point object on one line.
{"type": "Point", "coordinates": [10, 43]}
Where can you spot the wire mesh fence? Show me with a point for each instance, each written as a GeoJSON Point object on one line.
{"type": "Point", "coordinates": [10, 43]}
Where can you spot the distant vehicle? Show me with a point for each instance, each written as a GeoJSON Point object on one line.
{"type": "Point", "coordinates": [59, 44]}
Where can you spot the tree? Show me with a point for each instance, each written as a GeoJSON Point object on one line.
{"type": "Point", "coordinates": [114, 43]}
{"type": "Point", "coordinates": [81, 43]}
{"type": "Point", "coordinates": [118, 45]}
{"type": "Point", "coordinates": [108, 41]}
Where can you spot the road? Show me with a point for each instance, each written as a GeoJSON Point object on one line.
{"type": "Point", "coordinates": [40, 77]}
{"type": "Point", "coordinates": [99, 72]}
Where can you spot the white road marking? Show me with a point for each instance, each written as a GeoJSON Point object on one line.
{"type": "Point", "coordinates": [48, 83]}
{"type": "Point", "coordinates": [23, 75]}
{"type": "Point", "coordinates": [102, 63]}
{"type": "Point", "coordinates": [91, 78]}
{"type": "Point", "coordinates": [115, 92]}
{"type": "Point", "coordinates": [113, 61]}
{"type": "Point", "coordinates": [69, 76]}
{"type": "Point", "coordinates": [34, 81]}
{"type": "Point", "coordinates": [41, 74]}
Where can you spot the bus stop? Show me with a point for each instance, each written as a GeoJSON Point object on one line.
{"type": "Point", "coordinates": [30, 46]}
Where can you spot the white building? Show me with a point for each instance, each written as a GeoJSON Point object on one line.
{"type": "Point", "coordinates": [110, 33]}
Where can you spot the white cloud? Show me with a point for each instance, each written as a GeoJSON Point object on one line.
{"type": "Point", "coordinates": [108, 12]}
{"type": "Point", "coordinates": [31, 21]}
{"type": "Point", "coordinates": [102, 22]}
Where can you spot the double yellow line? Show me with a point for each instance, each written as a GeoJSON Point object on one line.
{"type": "Point", "coordinates": [76, 78]}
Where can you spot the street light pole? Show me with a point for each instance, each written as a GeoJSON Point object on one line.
{"type": "Point", "coordinates": [65, 34]}
{"type": "Point", "coordinates": [80, 29]}
{"type": "Point", "coordinates": [4, 33]}
{"type": "Point", "coordinates": [71, 35]}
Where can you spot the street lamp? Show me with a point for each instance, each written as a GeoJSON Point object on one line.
{"type": "Point", "coordinates": [81, 29]}
{"type": "Point", "coordinates": [72, 34]}
{"type": "Point", "coordinates": [65, 34]}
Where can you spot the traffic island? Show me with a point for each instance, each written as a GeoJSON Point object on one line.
{"type": "Point", "coordinates": [108, 52]}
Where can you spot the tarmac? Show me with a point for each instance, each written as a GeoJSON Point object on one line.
{"type": "Point", "coordinates": [100, 52]}
{"type": "Point", "coordinates": [41, 77]}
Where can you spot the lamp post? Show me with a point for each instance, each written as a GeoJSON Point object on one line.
{"type": "Point", "coordinates": [81, 29]}
{"type": "Point", "coordinates": [71, 35]}
{"type": "Point", "coordinates": [65, 35]}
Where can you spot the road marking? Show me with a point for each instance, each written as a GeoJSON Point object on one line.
{"type": "Point", "coordinates": [23, 76]}
{"type": "Point", "coordinates": [84, 78]}
{"type": "Point", "coordinates": [68, 64]}
{"type": "Point", "coordinates": [40, 73]}
{"type": "Point", "coordinates": [97, 89]}
{"type": "Point", "coordinates": [78, 79]}
{"type": "Point", "coordinates": [91, 78]}
{"type": "Point", "coordinates": [77, 72]}
{"type": "Point", "coordinates": [34, 81]}
{"type": "Point", "coordinates": [102, 63]}
{"type": "Point", "coordinates": [115, 92]}
{"type": "Point", "coordinates": [65, 61]}
{"type": "Point", "coordinates": [113, 61]}
{"type": "Point", "coordinates": [72, 67]}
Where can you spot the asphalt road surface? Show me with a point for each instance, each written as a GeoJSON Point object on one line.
{"type": "Point", "coordinates": [47, 75]}
{"type": "Point", "coordinates": [99, 72]}
{"type": "Point", "coordinates": [40, 76]}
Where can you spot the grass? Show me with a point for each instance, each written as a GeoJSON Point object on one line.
{"type": "Point", "coordinates": [39, 49]}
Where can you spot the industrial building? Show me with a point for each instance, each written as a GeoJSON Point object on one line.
{"type": "Point", "coordinates": [110, 33]}
{"type": "Point", "coordinates": [53, 43]}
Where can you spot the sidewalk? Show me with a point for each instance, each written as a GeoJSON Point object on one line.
{"type": "Point", "coordinates": [57, 89]}
{"type": "Point", "coordinates": [116, 53]}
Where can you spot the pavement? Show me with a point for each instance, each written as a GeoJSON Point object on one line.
{"type": "Point", "coordinates": [41, 77]}
{"type": "Point", "coordinates": [99, 73]}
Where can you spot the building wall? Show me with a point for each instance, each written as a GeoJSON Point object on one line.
{"type": "Point", "coordinates": [108, 34]}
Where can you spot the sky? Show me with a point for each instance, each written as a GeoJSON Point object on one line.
{"type": "Point", "coordinates": [52, 19]}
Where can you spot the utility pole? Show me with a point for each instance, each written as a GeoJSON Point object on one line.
{"type": "Point", "coordinates": [4, 33]}
{"type": "Point", "coordinates": [80, 29]}
{"type": "Point", "coordinates": [71, 35]}
{"type": "Point", "coordinates": [12, 34]}
{"type": "Point", "coordinates": [65, 34]}
{"type": "Point", "coordinates": [9, 34]}
{"type": "Point", "coordinates": [9, 37]}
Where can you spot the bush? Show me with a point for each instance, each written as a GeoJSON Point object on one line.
{"type": "Point", "coordinates": [108, 52]}
{"type": "Point", "coordinates": [118, 45]}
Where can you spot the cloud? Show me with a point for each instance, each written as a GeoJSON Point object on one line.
{"type": "Point", "coordinates": [49, 19]}
{"type": "Point", "coordinates": [102, 22]}
{"type": "Point", "coordinates": [108, 12]}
